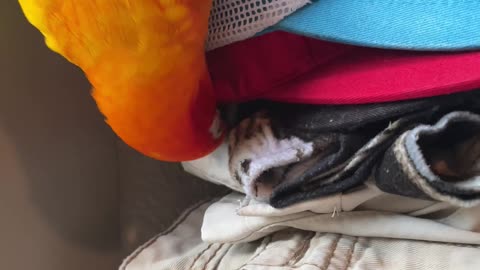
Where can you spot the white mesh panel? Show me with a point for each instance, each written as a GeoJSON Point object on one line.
{"type": "Point", "coordinates": [235, 20]}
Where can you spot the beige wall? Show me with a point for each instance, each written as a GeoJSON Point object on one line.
{"type": "Point", "coordinates": [58, 188]}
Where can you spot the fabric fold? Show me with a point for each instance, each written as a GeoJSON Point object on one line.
{"type": "Point", "coordinates": [260, 156]}
{"type": "Point", "coordinates": [222, 224]}
{"type": "Point", "coordinates": [289, 153]}
{"type": "Point", "coordinates": [180, 248]}
{"type": "Point", "coordinates": [440, 161]}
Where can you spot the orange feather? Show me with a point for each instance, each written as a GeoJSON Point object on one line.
{"type": "Point", "coordinates": [146, 62]}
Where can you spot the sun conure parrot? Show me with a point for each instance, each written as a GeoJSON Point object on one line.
{"type": "Point", "coordinates": [146, 62]}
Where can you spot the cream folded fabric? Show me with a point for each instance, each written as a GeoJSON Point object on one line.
{"type": "Point", "coordinates": [367, 212]}
{"type": "Point", "coordinates": [214, 168]}
{"type": "Point", "coordinates": [383, 215]}
{"type": "Point", "coordinates": [181, 248]}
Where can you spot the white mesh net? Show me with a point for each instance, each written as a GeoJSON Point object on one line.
{"type": "Point", "coordinates": [235, 20]}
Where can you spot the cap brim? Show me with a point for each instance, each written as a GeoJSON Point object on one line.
{"type": "Point", "coordinates": [290, 68]}
{"type": "Point", "coordinates": [394, 24]}
{"type": "Point", "coordinates": [371, 76]}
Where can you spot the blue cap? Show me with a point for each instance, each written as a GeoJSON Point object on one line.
{"type": "Point", "coordinates": [448, 25]}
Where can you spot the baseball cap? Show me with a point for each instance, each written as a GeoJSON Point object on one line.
{"type": "Point", "coordinates": [394, 24]}
{"type": "Point", "coordinates": [286, 67]}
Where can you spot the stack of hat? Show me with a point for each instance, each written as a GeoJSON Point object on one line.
{"type": "Point", "coordinates": [397, 50]}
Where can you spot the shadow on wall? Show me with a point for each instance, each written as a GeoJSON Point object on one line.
{"type": "Point", "coordinates": [66, 153]}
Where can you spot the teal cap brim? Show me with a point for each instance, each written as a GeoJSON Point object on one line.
{"type": "Point", "coordinates": [448, 25]}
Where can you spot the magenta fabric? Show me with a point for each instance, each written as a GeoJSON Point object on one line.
{"type": "Point", "coordinates": [290, 68]}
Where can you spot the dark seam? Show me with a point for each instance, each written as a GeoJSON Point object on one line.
{"type": "Point", "coordinates": [226, 251]}
{"type": "Point", "coordinates": [350, 254]}
{"type": "Point", "coordinates": [300, 252]}
{"type": "Point", "coordinates": [332, 253]}
{"type": "Point", "coordinates": [199, 255]}
{"type": "Point", "coordinates": [213, 256]}
{"type": "Point", "coordinates": [268, 241]}
{"type": "Point", "coordinates": [283, 266]}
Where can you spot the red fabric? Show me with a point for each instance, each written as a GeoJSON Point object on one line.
{"type": "Point", "coordinates": [285, 67]}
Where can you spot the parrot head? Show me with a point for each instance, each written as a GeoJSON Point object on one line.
{"type": "Point", "coordinates": [146, 62]}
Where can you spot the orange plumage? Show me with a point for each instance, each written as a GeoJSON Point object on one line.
{"type": "Point", "coordinates": [145, 60]}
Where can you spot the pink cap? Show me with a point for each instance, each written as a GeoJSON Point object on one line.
{"type": "Point", "coordinates": [290, 68]}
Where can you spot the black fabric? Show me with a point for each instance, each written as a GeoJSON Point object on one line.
{"type": "Point", "coordinates": [306, 119]}
{"type": "Point", "coordinates": [435, 160]}
{"type": "Point", "coordinates": [360, 139]}
{"type": "Point", "coordinates": [353, 171]}
{"type": "Point", "coordinates": [390, 178]}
